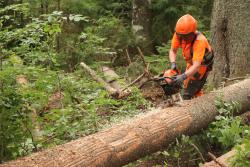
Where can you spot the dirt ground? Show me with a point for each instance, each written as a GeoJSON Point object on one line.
{"type": "Point", "coordinates": [153, 92]}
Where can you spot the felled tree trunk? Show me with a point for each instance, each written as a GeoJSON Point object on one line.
{"type": "Point", "coordinates": [246, 117]}
{"type": "Point", "coordinates": [139, 136]}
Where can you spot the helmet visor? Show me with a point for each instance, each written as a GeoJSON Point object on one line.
{"type": "Point", "coordinates": [186, 37]}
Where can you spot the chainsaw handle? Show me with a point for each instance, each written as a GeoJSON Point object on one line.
{"type": "Point", "coordinates": [161, 78]}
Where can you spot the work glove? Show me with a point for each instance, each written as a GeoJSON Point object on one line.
{"type": "Point", "coordinates": [173, 66]}
{"type": "Point", "coordinates": [179, 79]}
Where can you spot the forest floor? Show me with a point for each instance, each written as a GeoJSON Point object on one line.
{"type": "Point", "coordinates": [154, 93]}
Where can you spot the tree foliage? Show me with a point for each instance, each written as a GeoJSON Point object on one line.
{"type": "Point", "coordinates": [42, 42]}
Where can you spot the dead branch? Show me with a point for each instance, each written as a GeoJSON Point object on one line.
{"type": "Point", "coordinates": [146, 65]}
{"type": "Point", "coordinates": [111, 77]}
{"type": "Point", "coordinates": [132, 83]}
{"type": "Point", "coordinates": [200, 154]}
{"type": "Point", "coordinates": [113, 92]}
{"type": "Point", "coordinates": [128, 57]}
{"type": "Point", "coordinates": [142, 57]}
{"type": "Point", "coordinates": [146, 73]}
{"type": "Point", "coordinates": [233, 79]}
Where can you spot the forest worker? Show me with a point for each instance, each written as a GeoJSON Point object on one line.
{"type": "Point", "coordinates": [197, 53]}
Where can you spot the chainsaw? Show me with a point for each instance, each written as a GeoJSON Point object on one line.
{"type": "Point", "coordinates": [171, 90]}
{"type": "Point", "coordinates": [165, 80]}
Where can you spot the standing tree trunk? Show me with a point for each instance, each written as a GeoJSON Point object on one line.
{"type": "Point", "coordinates": [230, 39]}
{"type": "Point", "coordinates": [58, 5]}
{"type": "Point", "coordinates": [141, 24]}
{"type": "Point", "coordinates": [58, 35]}
{"type": "Point", "coordinates": [46, 7]}
{"type": "Point", "coordinates": [41, 7]}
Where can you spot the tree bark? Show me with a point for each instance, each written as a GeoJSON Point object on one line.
{"type": "Point", "coordinates": [220, 161]}
{"type": "Point", "coordinates": [111, 77]}
{"type": "Point", "coordinates": [42, 7]}
{"type": "Point", "coordinates": [246, 117]}
{"type": "Point", "coordinates": [141, 24]}
{"type": "Point", "coordinates": [139, 136]}
{"type": "Point", "coordinates": [58, 5]}
{"type": "Point", "coordinates": [230, 36]}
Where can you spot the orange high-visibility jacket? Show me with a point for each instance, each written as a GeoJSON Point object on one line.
{"type": "Point", "coordinates": [199, 47]}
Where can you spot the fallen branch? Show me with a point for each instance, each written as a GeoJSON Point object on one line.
{"type": "Point", "coordinates": [146, 73]}
{"type": "Point", "coordinates": [216, 160]}
{"type": "Point", "coordinates": [128, 57]}
{"type": "Point", "coordinates": [222, 161]}
{"type": "Point", "coordinates": [142, 57]}
{"type": "Point", "coordinates": [198, 151]}
{"type": "Point", "coordinates": [112, 78]}
{"type": "Point", "coordinates": [136, 80]}
{"type": "Point", "coordinates": [146, 65]}
{"type": "Point", "coordinates": [113, 92]}
{"type": "Point", "coordinates": [228, 81]}
{"type": "Point", "coordinates": [233, 79]}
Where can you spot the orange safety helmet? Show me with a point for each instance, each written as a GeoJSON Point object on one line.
{"type": "Point", "coordinates": [186, 25]}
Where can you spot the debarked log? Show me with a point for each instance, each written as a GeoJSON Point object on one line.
{"type": "Point", "coordinates": [140, 136]}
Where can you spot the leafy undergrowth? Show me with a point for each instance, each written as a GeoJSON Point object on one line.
{"type": "Point", "coordinates": [222, 135]}
{"type": "Point", "coordinates": [68, 106]}
{"type": "Point", "coordinates": [41, 105]}
{"type": "Point", "coordinates": [242, 158]}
